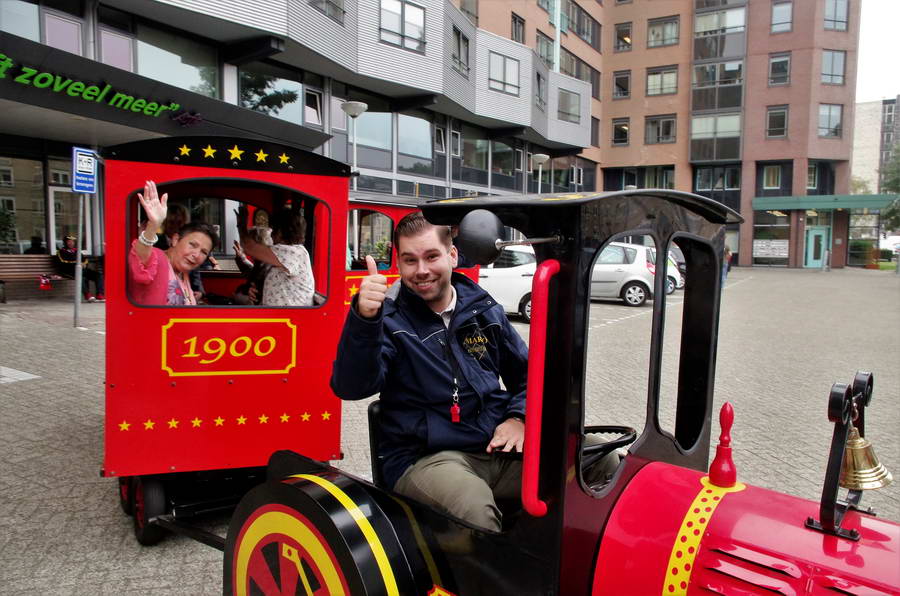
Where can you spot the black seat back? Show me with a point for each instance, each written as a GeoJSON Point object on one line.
{"type": "Point", "coordinates": [377, 459]}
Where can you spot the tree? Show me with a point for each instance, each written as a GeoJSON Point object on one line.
{"type": "Point", "coordinates": [259, 93]}
{"type": "Point", "coordinates": [859, 186]}
{"type": "Point", "coordinates": [890, 217]}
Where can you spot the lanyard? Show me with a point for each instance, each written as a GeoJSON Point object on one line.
{"type": "Point", "coordinates": [454, 405]}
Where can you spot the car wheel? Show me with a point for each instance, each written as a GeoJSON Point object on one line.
{"type": "Point", "coordinates": [670, 285]}
{"type": "Point", "coordinates": [634, 294]}
{"type": "Point", "coordinates": [525, 308]}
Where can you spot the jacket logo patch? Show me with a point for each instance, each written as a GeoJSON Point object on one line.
{"type": "Point", "coordinates": [476, 344]}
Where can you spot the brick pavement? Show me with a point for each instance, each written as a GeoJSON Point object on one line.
{"type": "Point", "coordinates": [785, 336]}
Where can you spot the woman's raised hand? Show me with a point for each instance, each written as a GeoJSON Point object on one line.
{"type": "Point", "coordinates": [155, 207]}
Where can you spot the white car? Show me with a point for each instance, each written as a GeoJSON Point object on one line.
{"type": "Point", "coordinates": [674, 279]}
{"type": "Point", "coordinates": [508, 279]}
{"type": "Point", "coordinates": [626, 272]}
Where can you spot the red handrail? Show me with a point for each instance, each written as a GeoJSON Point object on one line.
{"type": "Point", "coordinates": [534, 396]}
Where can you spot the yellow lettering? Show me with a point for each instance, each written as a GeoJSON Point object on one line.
{"type": "Point", "coordinates": [237, 352]}
{"type": "Point", "coordinates": [260, 351]}
{"type": "Point", "coordinates": [214, 346]}
{"type": "Point", "coordinates": [192, 348]}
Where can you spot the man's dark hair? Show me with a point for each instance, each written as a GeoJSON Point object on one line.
{"type": "Point", "coordinates": [203, 228]}
{"type": "Point", "coordinates": [414, 224]}
{"type": "Point", "coordinates": [289, 225]}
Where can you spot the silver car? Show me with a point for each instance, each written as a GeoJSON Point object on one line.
{"type": "Point", "coordinates": [624, 271]}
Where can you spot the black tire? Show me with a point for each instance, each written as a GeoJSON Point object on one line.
{"type": "Point", "coordinates": [149, 502]}
{"type": "Point", "coordinates": [126, 495]}
{"type": "Point", "coordinates": [525, 308]}
{"type": "Point", "coordinates": [634, 293]}
{"type": "Point", "coordinates": [670, 285]}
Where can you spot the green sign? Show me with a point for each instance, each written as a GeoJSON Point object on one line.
{"type": "Point", "coordinates": [104, 94]}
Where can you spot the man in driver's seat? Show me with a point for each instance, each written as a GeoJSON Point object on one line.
{"type": "Point", "coordinates": [436, 347]}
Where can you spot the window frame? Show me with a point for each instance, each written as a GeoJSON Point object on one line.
{"type": "Point", "coordinates": [814, 169]}
{"type": "Point", "coordinates": [772, 110]}
{"type": "Point", "coordinates": [455, 143]}
{"type": "Point", "coordinates": [834, 23]}
{"type": "Point", "coordinates": [12, 177]}
{"type": "Point", "coordinates": [459, 61]}
{"type": "Point", "coordinates": [665, 41]}
{"type": "Point", "coordinates": [786, 56]}
{"type": "Point", "coordinates": [540, 91]}
{"type": "Point", "coordinates": [402, 33]}
{"type": "Point", "coordinates": [307, 93]}
{"type": "Point", "coordinates": [326, 7]}
{"type": "Point", "coordinates": [658, 121]}
{"type": "Point", "coordinates": [782, 26]}
{"type": "Point", "coordinates": [517, 23]}
{"type": "Point", "coordinates": [840, 125]}
{"type": "Point", "coordinates": [560, 113]}
{"type": "Point", "coordinates": [841, 78]}
{"type": "Point", "coordinates": [626, 74]}
{"type": "Point", "coordinates": [620, 122]}
{"type": "Point", "coordinates": [771, 168]}
{"type": "Point", "coordinates": [617, 47]}
{"type": "Point", "coordinates": [504, 84]}
{"type": "Point", "coordinates": [661, 71]}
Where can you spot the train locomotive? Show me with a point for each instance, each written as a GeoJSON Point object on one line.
{"type": "Point", "coordinates": [238, 397]}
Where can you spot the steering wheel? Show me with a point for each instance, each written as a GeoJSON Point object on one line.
{"type": "Point", "coordinates": [591, 454]}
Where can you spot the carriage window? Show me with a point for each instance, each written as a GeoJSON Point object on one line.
{"type": "Point", "coordinates": [368, 233]}
{"type": "Point", "coordinates": [228, 244]}
{"type": "Point", "coordinates": [621, 282]}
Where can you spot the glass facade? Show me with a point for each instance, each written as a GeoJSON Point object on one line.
{"type": "Point", "coordinates": [178, 60]}
{"type": "Point", "coordinates": [271, 90]}
{"type": "Point", "coordinates": [771, 238]}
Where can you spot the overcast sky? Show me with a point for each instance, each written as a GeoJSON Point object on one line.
{"type": "Point", "coordinates": [879, 51]}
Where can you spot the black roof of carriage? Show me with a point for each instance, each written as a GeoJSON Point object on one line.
{"type": "Point", "coordinates": [448, 210]}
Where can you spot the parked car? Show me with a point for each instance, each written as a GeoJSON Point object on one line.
{"type": "Point", "coordinates": [624, 271]}
{"type": "Point", "coordinates": [673, 275]}
{"type": "Point", "coordinates": [508, 279]}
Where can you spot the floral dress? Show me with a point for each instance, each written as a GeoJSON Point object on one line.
{"type": "Point", "coordinates": [293, 283]}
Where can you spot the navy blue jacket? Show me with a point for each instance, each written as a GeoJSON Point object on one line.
{"type": "Point", "coordinates": [404, 353]}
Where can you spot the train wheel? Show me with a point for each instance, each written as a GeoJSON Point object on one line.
{"type": "Point", "coordinates": [126, 496]}
{"type": "Point", "coordinates": [313, 534]}
{"type": "Point", "coordinates": [149, 501]}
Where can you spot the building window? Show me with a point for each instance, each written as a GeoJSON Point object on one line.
{"type": "Point", "coordinates": [60, 177]}
{"type": "Point", "coordinates": [504, 74]}
{"type": "Point", "coordinates": [470, 9]}
{"type": "Point", "coordinates": [63, 32]}
{"type": "Point", "coordinates": [460, 52]}
{"type": "Point", "coordinates": [520, 156]}
{"type": "Point", "coordinates": [662, 32]}
{"type": "Point", "coordinates": [6, 177]}
{"type": "Point", "coordinates": [540, 91]}
{"type": "Point", "coordinates": [779, 69]}
{"type": "Point", "coordinates": [572, 65]}
{"type": "Point", "coordinates": [518, 28]}
{"type": "Point", "coordinates": [836, 15]}
{"type": "Point", "coordinates": [812, 176]}
{"type": "Point", "coordinates": [719, 34]}
{"type": "Point", "coordinates": [620, 128]}
{"type": "Point", "coordinates": [178, 60]}
{"type": "Point", "coordinates": [312, 108]}
{"type": "Point", "coordinates": [275, 91]}
{"type": "Point", "coordinates": [403, 24]}
{"type": "Point", "coordinates": [545, 49]}
{"type": "Point", "coordinates": [595, 132]}
{"type": "Point", "coordinates": [455, 143]}
{"type": "Point", "coordinates": [830, 120]}
{"type": "Point", "coordinates": [716, 137]}
{"type": "Point", "coordinates": [622, 84]}
{"type": "Point", "coordinates": [771, 177]}
{"type": "Point", "coordinates": [331, 8]}
{"type": "Point", "coordinates": [833, 67]}
{"type": "Point", "coordinates": [569, 108]}
{"type": "Point", "coordinates": [782, 16]}
{"type": "Point", "coordinates": [440, 144]}
{"type": "Point", "coordinates": [583, 24]}
{"type": "Point", "coordinates": [887, 113]}
{"type": "Point", "coordinates": [776, 121]}
{"type": "Point", "coordinates": [116, 49]}
{"type": "Point", "coordinates": [623, 37]}
{"type": "Point", "coordinates": [662, 80]}
{"type": "Point", "coordinates": [21, 18]}
{"type": "Point", "coordinates": [718, 85]}
{"type": "Point", "coordinates": [733, 178]}
{"type": "Point", "coordinates": [659, 129]}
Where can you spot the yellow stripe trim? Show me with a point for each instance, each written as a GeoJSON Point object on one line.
{"type": "Point", "coordinates": [690, 534]}
{"type": "Point", "coordinates": [384, 565]}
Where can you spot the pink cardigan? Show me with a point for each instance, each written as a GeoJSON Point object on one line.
{"type": "Point", "coordinates": [148, 284]}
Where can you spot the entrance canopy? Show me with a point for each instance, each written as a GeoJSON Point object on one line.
{"type": "Point", "coordinates": [822, 202]}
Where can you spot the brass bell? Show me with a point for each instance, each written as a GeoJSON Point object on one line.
{"type": "Point", "coordinates": [860, 469]}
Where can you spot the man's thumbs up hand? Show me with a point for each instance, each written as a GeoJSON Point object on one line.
{"type": "Point", "coordinates": [372, 291]}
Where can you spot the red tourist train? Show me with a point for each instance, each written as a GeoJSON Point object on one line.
{"type": "Point", "coordinates": [197, 397]}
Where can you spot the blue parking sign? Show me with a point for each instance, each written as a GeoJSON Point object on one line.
{"type": "Point", "coordinates": [84, 170]}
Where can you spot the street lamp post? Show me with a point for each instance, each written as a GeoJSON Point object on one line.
{"type": "Point", "coordinates": [540, 159]}
{"type": "Point", "coordinates": [354, 109]}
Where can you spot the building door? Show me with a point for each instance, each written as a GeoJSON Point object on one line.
{"type": "Point", "coordinates": [816, 246]}
{"type": "Point", "coordinates": [63, 218]}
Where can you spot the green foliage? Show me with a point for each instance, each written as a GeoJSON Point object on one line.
{"type": "Point", "coordinates": [258, 93]}
{"type": "Point", "coordinates": [858, 186]}
{"type": "Point", "coordinates": [890, 217]}
{"type": "Point", "coordinates": [7, 225]}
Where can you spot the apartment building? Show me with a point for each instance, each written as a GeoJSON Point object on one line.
{"type": "Point", "coordinates": [748, 102]}
{"type": "Point", "coordinates": [453, 109]}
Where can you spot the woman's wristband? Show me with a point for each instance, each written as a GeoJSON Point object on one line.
{"type": "Point", "coordinates": [146, 241]}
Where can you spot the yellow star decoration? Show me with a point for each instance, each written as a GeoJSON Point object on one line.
{"type": "Point", "coordinates": [196, 422]}
{"type": "Point", "coordinates": [184, 150]}
{"type": "Point", "coordinates": [235, 153]}
{"type": "Point", "coordinates": [285, 417]}
{"type": "Point", "coordinates": [305, 417]}
{"type": "Point", "coordinates": [354, 290]}
{"type": "Point", "coordinates": [173, 423]}
{"type": "Point", "coordinates": [124, 425]}
{"type": "Point", "coordinates": [261, 156]}
{"type": "Point", "coordinates": [208, 151]}
{"type": "Point", "coordinates": [219, 421]}
{"type": "Point", "coordinates": [326, 415]}
{"type": "Point", "coordinates": [263, 419]}
{"type": "Point", "coordinates": [242, 420]}
{"type": "Point", "coordinates": [283, 158]}
{"type": "Point", "coordinates": [148, 425]}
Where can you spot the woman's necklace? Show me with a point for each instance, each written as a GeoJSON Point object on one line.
{"type": "Point", "coordinates": [183, 282]}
